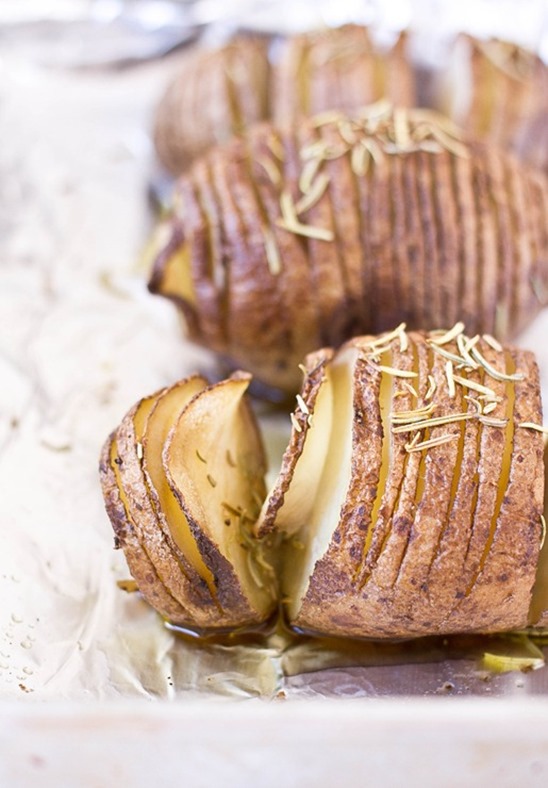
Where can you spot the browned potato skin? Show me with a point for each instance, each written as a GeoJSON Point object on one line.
{"type": "Point", "coordinates": [431, 235]}
{"type": "Point", "coordinates": [141, 567]}
{"type": "Point", "coordinates": [413, 584]}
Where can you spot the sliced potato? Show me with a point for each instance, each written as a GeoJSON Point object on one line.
{"type": "Point", "coordinates": [217, 93]}
{"type": "Point", "coordinates": [214, 94]}
{"type": "Point", "coordinates": [191, 566]}
{"type": "Point", "coordinates": [409, 501]}
{"type": "Point", "coordinates": [497, 90]}
{"type": "Point", "coordinates": [427, 518]}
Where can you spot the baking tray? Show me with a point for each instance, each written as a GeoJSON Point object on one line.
{"type": "Point", "coordinates": [92, 687]}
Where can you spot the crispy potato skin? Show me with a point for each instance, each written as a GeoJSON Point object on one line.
{"type": "Point", "coordinates": [420, 237]}
{"type": "Point", "coordinates": [450, 550]}
{"type": "Point", "coordinates": [141, 567]}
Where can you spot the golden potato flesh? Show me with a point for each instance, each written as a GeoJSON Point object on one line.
{"type": "Point", "coordinates": [427, 518]}
{"type": "Point", "coordinates": [190, 551]}
{"type": "Point", "coordinates": [215, 467]}
{"type": "Point", "coordinates": [292, 239]}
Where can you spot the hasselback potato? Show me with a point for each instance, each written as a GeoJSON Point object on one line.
{"type": "Point", "coordinates": [413, 485]}
{"type": "Point", "coordinates": [290, 239]}
{"type": "Point", "coordinates": [183, 482]}
{"type": "Point", "coordinates": [218, 93]}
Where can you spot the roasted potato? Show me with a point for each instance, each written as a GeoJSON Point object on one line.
{"type": "Point", "coordinates": [183, 481]}
{"type": "Point", "coordinates": [498, 91]}
{"type": "Point", "coordinates": [410, 496]}
{"type": "Point", "coordinates": [286, 241]}
{"type": "Point", "coordinates": [220, 92]}
{"type": "Point", "coordinates": [215, 94]}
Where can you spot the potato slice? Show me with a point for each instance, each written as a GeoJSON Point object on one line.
{"type": "Point", "coordinates": [375, 531]}
{"type": "Point", "coordinates": [184, 565]}
{"type": "Point", "coordinates": [214, 464]}
{"type": "Point", "coordinates": [191, 553]}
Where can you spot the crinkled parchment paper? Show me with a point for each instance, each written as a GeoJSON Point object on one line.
{"type": "Point", "coordinates": [80, 341]}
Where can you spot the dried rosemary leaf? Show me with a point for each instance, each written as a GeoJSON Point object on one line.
{"type": "Point", "coordinates": [435, 422]}
{"type": "Point", "coordinates": [271, 170]}
{"type": "Point", "coordinates": [273, 258]}
{"type": "Point", "coordinates": [494, 373]}
{"type": "Point", "coordinates": [529, 425]}
{"type": "Point", "coordinates": [448, 336]}
{"type": "Point", "coordinates": [429, 444]}
{"type": "Point", "coordinates": [314, 194]}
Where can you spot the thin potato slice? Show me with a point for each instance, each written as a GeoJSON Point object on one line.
{"type": "Point", "coordinates": [538, 613]}
{"type": "Point", "coordinates": [214, 463]}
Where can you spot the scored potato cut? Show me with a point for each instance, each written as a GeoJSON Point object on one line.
{"type": "Point", "coordinates": [214, 95]}
{"type": "Point", "coordinates": [192, 558]}
{"type": "Point", "coordinates": [425, 510]}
